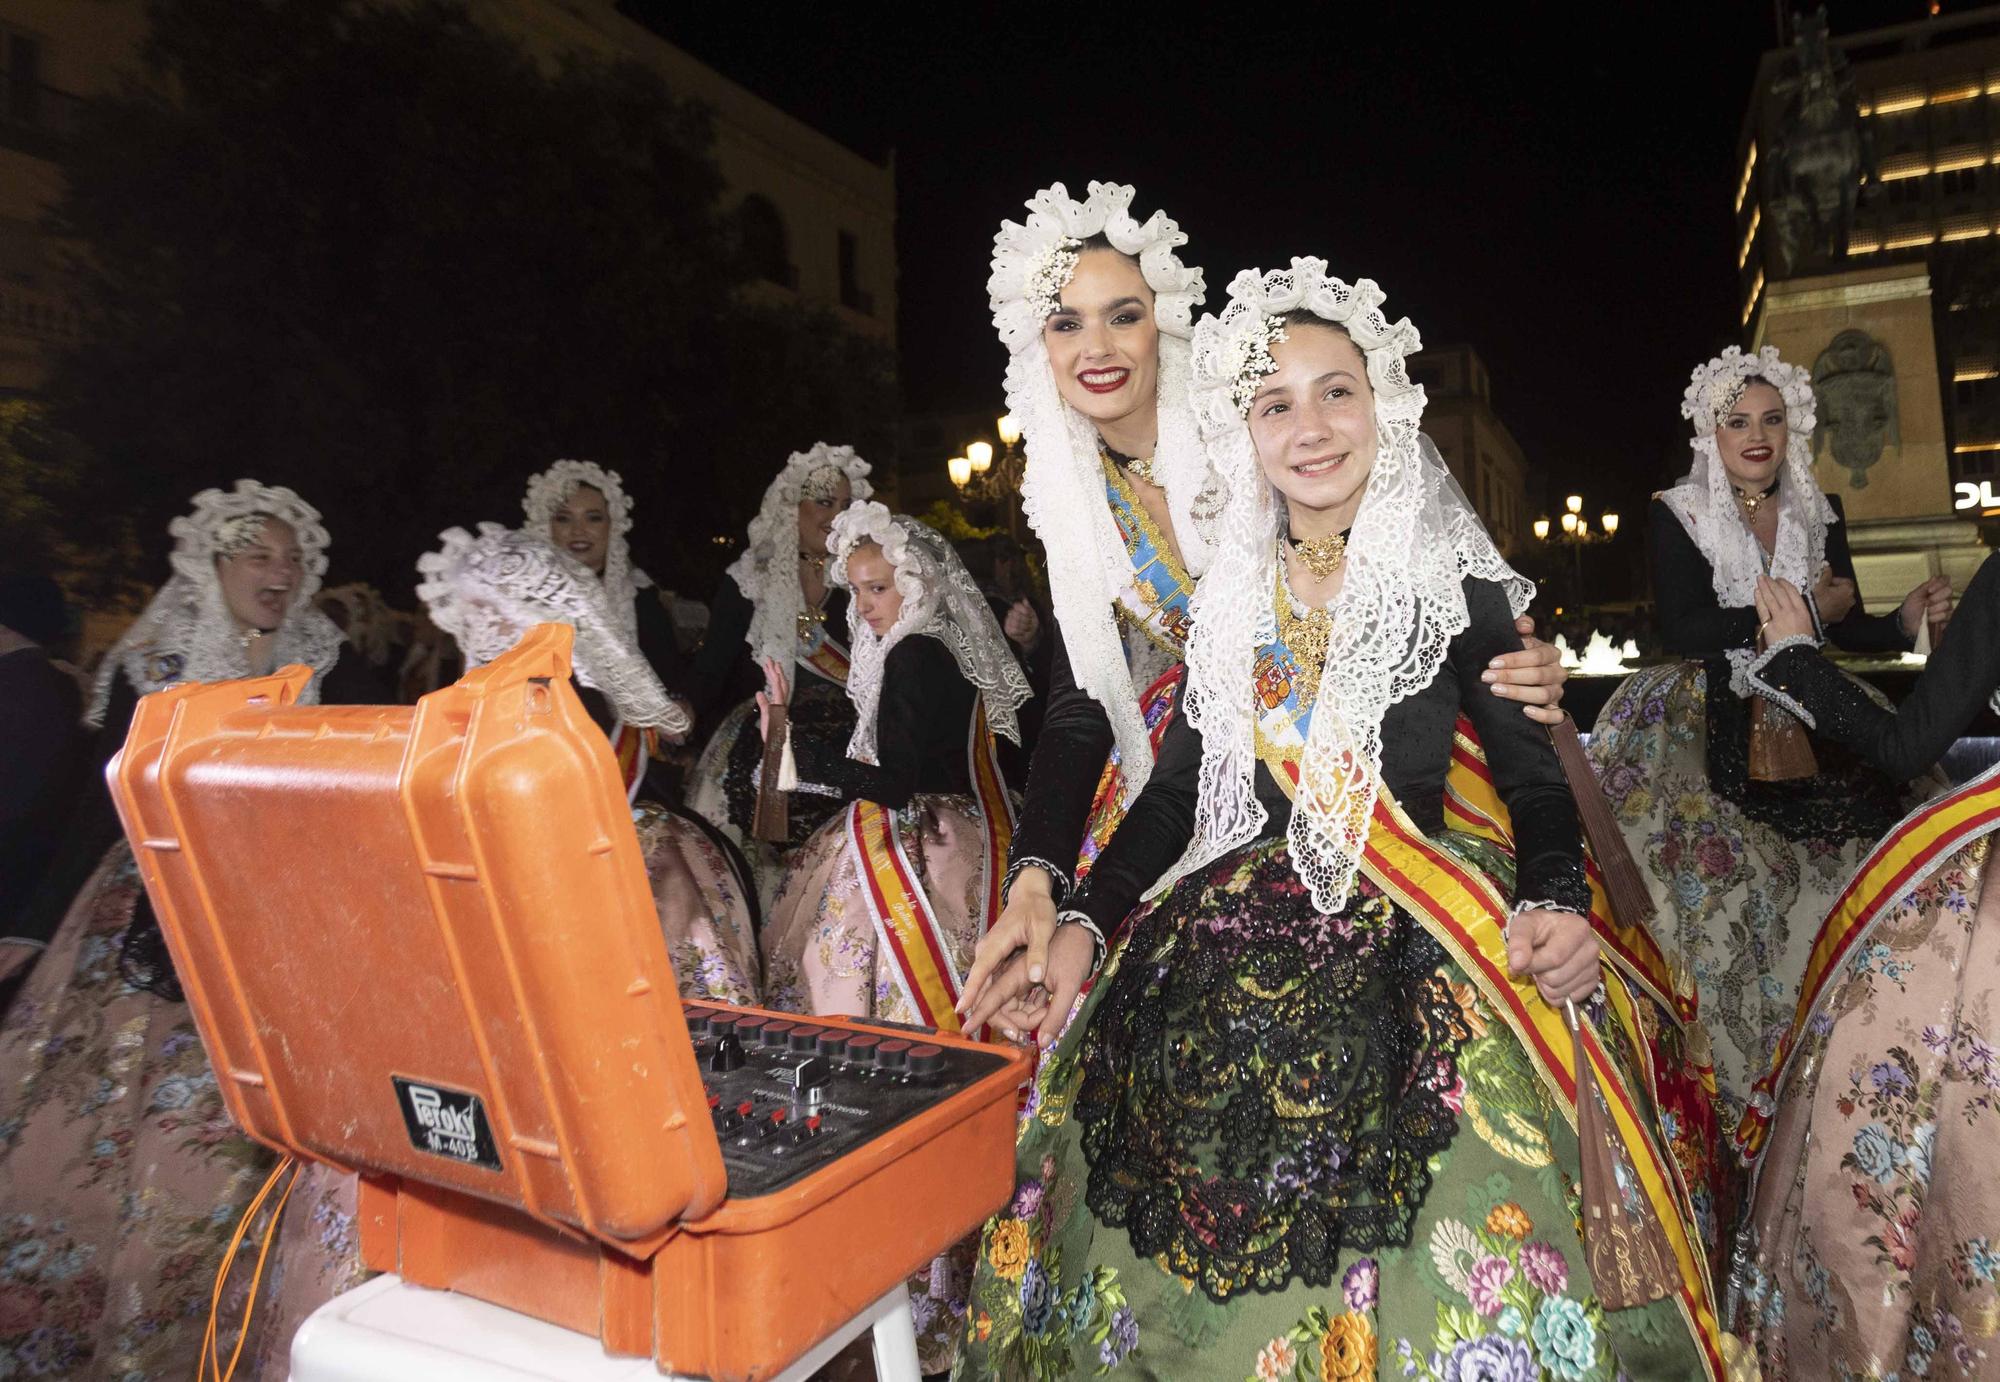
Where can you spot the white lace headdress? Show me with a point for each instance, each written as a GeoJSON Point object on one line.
{"type": "Point", "coordinates": [1062, 491]}
{"type": "Point", "coordinates": [549, 490]}
{"type": "Point", "coordinates": [487, 591]}
{"type": "Point", "coordinates": [768, 571]}
{"type": "Point", "coordinates": [1414, 541]}
{"type": "Point", "coordinates": [1706, 504]}
{"type": "Point", "coordinates": [941, 599]}
{"type": "Point", "coordinates": [186, 632]}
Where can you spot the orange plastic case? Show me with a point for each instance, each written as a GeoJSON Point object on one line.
{"type": "Point", "coordinates": [362, 900]}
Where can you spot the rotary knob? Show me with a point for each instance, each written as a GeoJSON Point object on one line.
{"type": "Point", "coordinates": [926, 1060]}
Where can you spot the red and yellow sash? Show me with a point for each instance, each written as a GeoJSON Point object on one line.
{"type": "Point", "coordinates": [1472, 804]}
{"type": "Point", "coordinates": [908, 928]}
{"type": "Point", "coordinates": [827, 658]}
{"type": "Point", "coordinates": [1461, 909]}
{"type": "Point", "coordinates": [631, 746]}
{"type": "Point", "coordinates": [1906, 856]}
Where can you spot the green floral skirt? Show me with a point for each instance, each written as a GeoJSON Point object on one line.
{"type": "Point", "coordinates": [1279, 1144]}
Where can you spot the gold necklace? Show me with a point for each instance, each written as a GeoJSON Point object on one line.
{"type": "Point", "coordinates": [1136, 468]}
{"type": "Point", "coordinates": [1322, 555]}
{"type": "Point", "coordinates": [810, 618]}
{"type": "Point", "coordinates": [1306, 636]}
{"type": "Point", "coordinates": [1753, 502]}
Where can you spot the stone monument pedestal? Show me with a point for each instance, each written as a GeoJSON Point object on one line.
{"type": "Point", "coordinates": [1868, 338]}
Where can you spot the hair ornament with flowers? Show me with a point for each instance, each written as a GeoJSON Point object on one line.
{"type": "Point", "coordinates": [1033, 260]}
{"type": "Point", "coordinates": [1717, 385]}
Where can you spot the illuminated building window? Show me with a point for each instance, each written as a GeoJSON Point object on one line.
{"type": "Point", "coordinates": [1756, 291]}
{"type": "Point", "coordinates": [1749, 236]}
{"type": "Point", "coordinates": [1749, 167]}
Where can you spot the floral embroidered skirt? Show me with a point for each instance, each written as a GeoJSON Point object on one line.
{"type": "Point", "coordinates": [723, 789]}
{"type": "Point", "coordinates": [1874, 1243]}
{"type": "Point", "coordinates": [1278, 1144]}
{"type": "Point", "coordinates": [704, 913]}
{"type": "Point", "coordinates": [1741, 872]}
{"type": "Point", "coordinates": [122, 1176]}
{"type": "Point", "coordinates": [824, 954]}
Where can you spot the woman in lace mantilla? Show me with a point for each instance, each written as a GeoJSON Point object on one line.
{"type": "Point", "coordinates": [776, 602]}
{"type": "Point", "coordinates": [1305, 1122]}
{"type": "Point", "coordinates": [1745, 846]}
{"type": "Point", "coordinates": [880, 910]}
{"type": "Point", "coordinates": [486, 591]}
{"type": "Point", "coordinates": [1095, 309]}
{"type": "Point", "coordinates": [121, 1173]}
{"type": "Point", "coordinates": [584, 511]}
{"type": "Point", "coordinates": [1869, 1245]}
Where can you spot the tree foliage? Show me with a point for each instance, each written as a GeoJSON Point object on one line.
{"type": "Point", "coordinates": [377, 252]}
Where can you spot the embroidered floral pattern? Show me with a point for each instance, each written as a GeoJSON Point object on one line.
{"type": "Point", "coordinates": [1310, 1079]}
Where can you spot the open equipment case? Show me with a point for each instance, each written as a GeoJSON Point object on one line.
{"type": "Point", "coordinates": [420, 946]}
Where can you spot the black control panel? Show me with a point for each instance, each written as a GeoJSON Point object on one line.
{"type": "Point", "coordinates": [789, 1095]}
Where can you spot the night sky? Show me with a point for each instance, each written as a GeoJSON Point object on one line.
{"type": "Point", "coordinates": [1550, 184]}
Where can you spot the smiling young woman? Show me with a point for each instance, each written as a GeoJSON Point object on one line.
{"type": "Point", "coordinates": [1747, 823]}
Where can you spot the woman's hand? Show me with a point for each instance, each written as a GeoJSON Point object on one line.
{"type": "Point", "coordinates": [1039, 1011]}
{"type": "Point", "coordinates": [773, 694]}
{"type": "Point", "coordinates": [1025, 924]}
{"type": "Point", "coordinates": [1022, 624]}
{"type": "Point", "coordinates": [1782, 611]}
{"type": "Point", "coordinates": [1534, 676]}
{"type": "Point", "coordinates": [1833, 596]}
{"type": "Point", "coordinates": [1555, 949]}
{"type": "Point", "coordinates": [1929, 603]}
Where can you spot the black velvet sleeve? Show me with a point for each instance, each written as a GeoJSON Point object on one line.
{"type": "Point", "coordinates": [922, 689]}
{"type": "Point", "coordinates": [1548, 842]}
{"type": "Point", "coordinates": [1859, 631]}
{"type": "Point", "coordinates": [657, 643]}
{"type": "Point", "coordinates": [1153, 835]}
{"type": "Point", "coordinates": [721, 669]}
{"type": "Point", "coordinates": [1070, 751]}
{"type": "Point", "coordinates": [1692, 621]}
{"type": "Point", "coordinates": [1956, 682]}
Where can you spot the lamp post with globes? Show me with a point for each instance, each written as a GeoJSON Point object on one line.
{"type": "Point", "coordinates": [1574, 531]}
{"type": "Point", "coordinates": [980, 479]}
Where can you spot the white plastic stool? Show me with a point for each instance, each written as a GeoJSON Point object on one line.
{"type": "Point", "coordinates": [390, 1331]}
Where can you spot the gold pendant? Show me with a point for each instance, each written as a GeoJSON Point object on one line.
{"type": "Point", "coordinates": [1306, 636]}
{"type": "Point", "coordinates": [1322, 555]}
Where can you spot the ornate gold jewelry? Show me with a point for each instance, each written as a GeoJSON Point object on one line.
{"type": "Point", "coordinates": [1135, 467]}
{"type": "Point", "coordinates": [1306, 636]}
{"type": "Point", "coordinates": [1322, 555]}
{"type": "Point", "coordinates": [1752, 502]}
{"type": "Point", "coordinates": [810, 618]}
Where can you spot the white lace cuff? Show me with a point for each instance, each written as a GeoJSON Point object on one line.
{"type": "Point", "coordinates": [1758, 683]}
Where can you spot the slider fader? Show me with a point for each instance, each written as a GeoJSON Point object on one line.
{"type": "Point", "coordinates": [790, 1095]}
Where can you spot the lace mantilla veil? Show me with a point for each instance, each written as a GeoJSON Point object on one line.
{"type": "Point", "coordinates": [622, 581]}
{"type": "Point", "coordinates": [1414, 541]}
{"type": "Point", "coordinates": [487, 591]}
{"type": "Point", "coordinates": [939, 599]}
{"type": "Point", "coordinates": [1062, 491]}
{"type": "Point", "coordinates": [768, 571]}
{"type": "Point", "coordinates": [186, 632]}
{"type": "Point", "coordinates": [1706, 504]}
